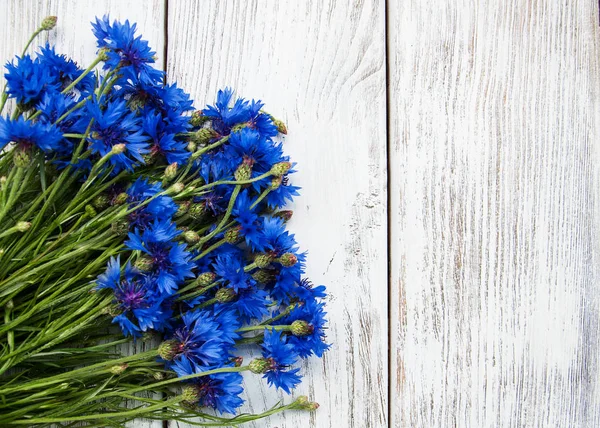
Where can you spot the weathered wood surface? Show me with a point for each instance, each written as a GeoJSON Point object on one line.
{"type": "Point", "coordinates": [319, 66]}
{"type": "Point", "coordinates": [495, 213]}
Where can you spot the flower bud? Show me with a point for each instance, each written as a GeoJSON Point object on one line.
{"type": "Point", "coordinates": [171, 171]}
{"type": "Point", "coordinates": [285, 215]}
{"type": "Point", "coordinates": [233, 235]}
{"type": "Point", "coordinates": [196, 211]}
{"type": "Point", "coordinates": [103, 54]}
{"type": "Point", "coordinates": [117, 149]}
{"type": "Point", "coordinates": [168, 350]}
{"type": "Point", "coordinates": [263, 260]}
{"type": "Point", "coordinates": [263, 276]}
{"type": "Point", "coordinates": [144, 264]}
{"type": "Point", "coordinates": [203, 136]}
{"type": "Point", "coordinates": [302, 403]}
{"type": "Point", "coordinates": [243, 172]}
{"type": "Point", "coordinates": [191, 237]}
{"type": "Point", "coordinates": [225, 295]}
{"type": "Point", "coordinates": [259, 365]}
{"type": "Point", "coordinates": [90, 211]}
{"type": "Point", "coordinates": [120, 227]}
{"type": "Point", "coordinates": [118, 369]}
{"type": "Point", "coordinates": [182, 208]}
{"type": "Point", "coordinates": [191, 147]}
{"type": "Point", "coordinates": [301, 328]}
{"type": "Point", "coordinates": [120, 199]}
{"type": "Point", "coordinates": [190, 394]}
{"type": "Point", "coordinates": [22, 155]}
{"type": "Point", "coordinates": [48, 23]}
{"type": "Point", "coordinates": [101, 202]}
{"type": "Point", "coordinates": [23, 226]}
{"type": "Point", "coordinates": [205, 279]}
{"type": "Point", "coordinates": [280, 125]}
{"type": "Point", "coordinates": [288, 259]}
{"type": "Point", "coordinates": [158, 375]}
{"type": "Point", "coordinates": [276, 183]}
{"type": "Point", "coordinates": [280, 168]}
{"type": "Point", "coordinates": [176, 188]}
{"type": "Point", "coordinates": [198, 119]}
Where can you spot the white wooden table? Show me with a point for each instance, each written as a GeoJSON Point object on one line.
{"type": "Point", "coordinates": [450, 164]}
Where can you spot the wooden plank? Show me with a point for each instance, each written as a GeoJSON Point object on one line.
{"type": "Point", "coordinates": [318, 65]}
{"type": "Point", "coordinates": [495, 213]}
{"type": "Point", "coordinates": [73, 37]}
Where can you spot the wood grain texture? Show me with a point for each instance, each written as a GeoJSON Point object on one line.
{"type": "Point", "coordinates": [495, 213]}
{"type": "Point", "coordinates": [319, 66]}
{"type": "Point", "coordinates": [73, 37]}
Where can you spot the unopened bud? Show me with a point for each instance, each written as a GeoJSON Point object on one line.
{"type": "Point", "coordinates": [90, 211]}
{"type": "Point", "coordinates": [117, 149]}
{"type": "Point", "coordinates": [196, 211]}
{"type": "Point", "coordinates": [280, 125]}
{"type": "Point", "coordinates": [303, 403]}
{"type": "Point", "coordinates": [118, 369]}
{"type": "Point", "coordinates": [22, 155]}
{"type": "Point", "coordinates": [23, 226]}
{"type": "Point", "coordinates": [191, 237]}
{"type": "Point", "coordinates": [182, 208]}
{"type": "Point", "coordinates": [171, 171]}
{"type": "Point", "coordinates": [103, 54]}
{"type": "Point", "coordinates": [288, 259]}
{"type": "Point", "coordinates": [203, 136]}
{"type": "Point", "coordinates": [101, 202]}
{"type": "Point", "coordinates": [168, 350]}
{"type": "Point", "coordinates": [276, 182]}
{"type": "Point", "coordinates": [205, 279]}
{"type": "Point", "coordinates": [233, 235]}
{"type": "Point", "coordinates": [301, 328]}
{"type": "Point", "coordinates": [263, 276]}
{"type": "Point", "coordinates": [144, 264]}
{"type": "Point", "coordinates": [191, 147]}
{"type": "Point", "coordinates": [243, 172]}
{"type": "Point", "coordinates": [120, 227]}
{"type": "Point", "coordinates": [280, 168]}
{"type": "Point", "coordinates": [190, 394]}
{"type": "Point", "coordinates": [285, 215]}
{"type": "Point", "coordinates": [158, 375]}
{"type": "Point", "coordinates": [198, 119]}
{"type": "Point", "coordinates": [120, 199]}
{"type": "Point", "coordinates": [259, 365]}
{"type": "Point", "coordinates": [176, 188]}
{"type": "Point", "coordinates": [225, 295]}
{"type": "Point", "coordinates": [48, 23]}
{"type": "Point", "coordinates": [263, 260]}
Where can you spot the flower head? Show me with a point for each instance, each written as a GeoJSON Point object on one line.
{"type": "Point", "coordinates": [280, 356]}
{"type": "Point", "coordinates": [44, 136]}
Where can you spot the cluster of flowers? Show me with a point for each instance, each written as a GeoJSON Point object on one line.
{"type": "Point", "coordinates": [207, 260]}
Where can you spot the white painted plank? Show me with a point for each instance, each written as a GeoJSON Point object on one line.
{"type": "Point", "coordinates": [318, 65]}
{"type": "Point", "coordinates": [73, 37]}
{"type": "Point", "coordinates": [495, 168]}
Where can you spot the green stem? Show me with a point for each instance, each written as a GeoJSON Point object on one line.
{"type": "Point", "coordinates": [234, 195]}
{"type": "Point", "coordinates": [262, 327]}
{"type": "Point", "coordinates": [93, 65]}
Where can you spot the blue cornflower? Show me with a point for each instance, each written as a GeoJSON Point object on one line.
{"type": "Point", "coordinates": [307, 292]}
{"type": "Point", "coordinates": [199, 340]}
{"type": "Point", "coordinates": [160, 209]}
{"type": "Point", "coordinates": [313, 313]}
{"type": "Point", "coordinates": [230, 267]}
{"type": "Point", "coordinates": [124, 49]}
{"type": "Point", "coordinates": [163, 143]}
{"type": "Point", "coordinates": [250, 303]}
{"type": "Point", "coordinates": [249, 147]}
{"type": "Point", "coordinates": [135, 295]}
{"type": "Point", "coordinates": [64, 71]}
{"type": "Point", "coordinates": [249, 222]}
{"type": "Point", "coordinates": [24, 132]}
{"type": "Point", "coordinates": [280, 356]}
{"type": "Point", "coordinates": [29, 80]}
{"type": "Point", "coordinates": [171, 263]}
{"type": "Point", "coordinates": [117, 125]}
{"type": "Point", "coordinates": [225, 117]}
{"type": "Point", "coordinates": [260, 121]}
{"type": "Point", "coordinates": [219, 391]}
{"type": "Point", "coordinates": [277, 239]}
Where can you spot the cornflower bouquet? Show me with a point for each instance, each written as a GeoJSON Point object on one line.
{"type": "Point", "coordinates": [128, 216]}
